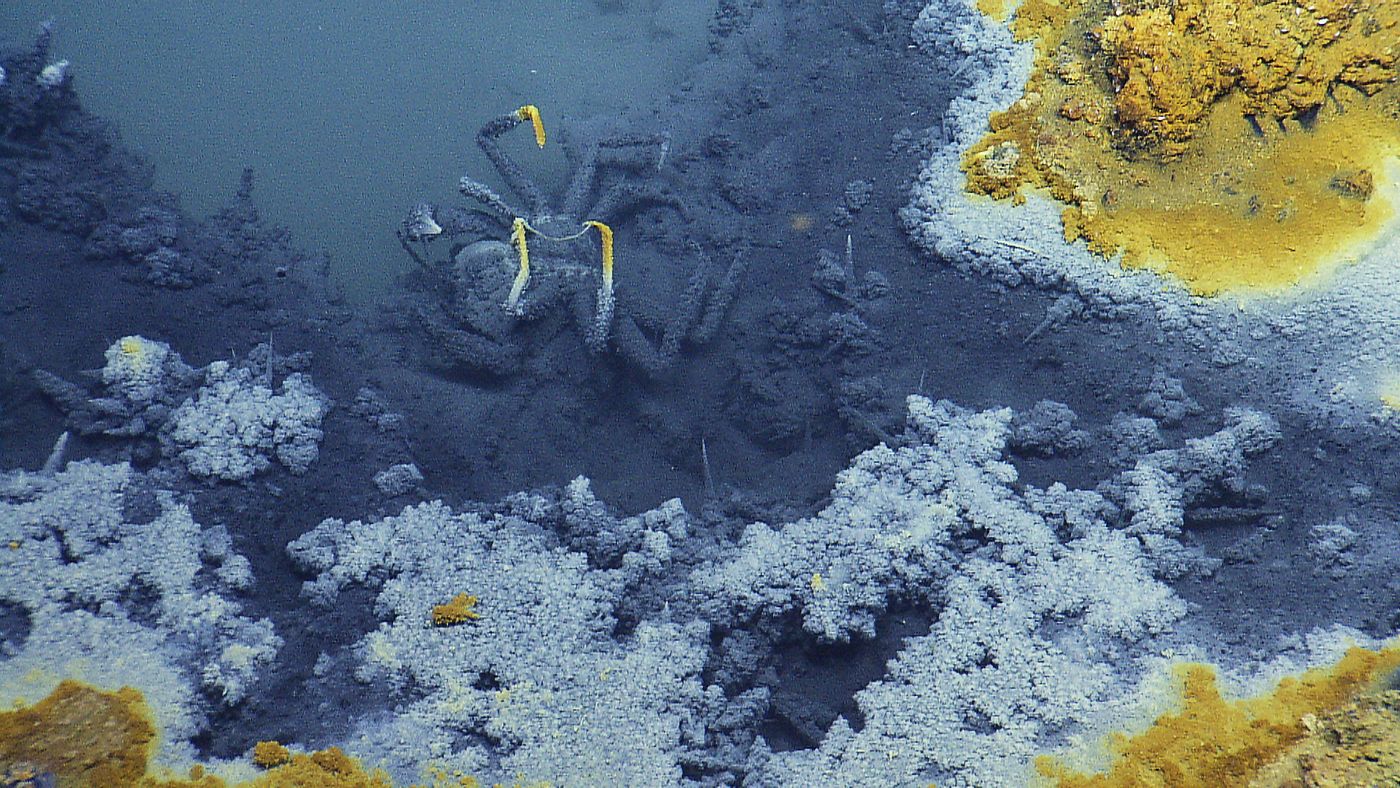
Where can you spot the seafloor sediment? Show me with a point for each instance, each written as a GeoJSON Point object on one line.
{"type": "Point", "coordinates": [840, 474]}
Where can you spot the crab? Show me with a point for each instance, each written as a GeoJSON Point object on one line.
{"type": "Point", "coordinates": [489, 292]}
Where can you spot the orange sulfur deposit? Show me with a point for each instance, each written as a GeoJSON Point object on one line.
{"type": "Point", "coordinates": [1358, 744]}
{"type": "Point", "coordinates": [460, 610]}
{"type": "Point", "coordinates": [1263, 741]}
{"type": "Point", "coordinates": [85, 737]}
{"type": "Point", "coordinates": [1235, 144]}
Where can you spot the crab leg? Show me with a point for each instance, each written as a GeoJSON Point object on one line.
{"type": "Point", "coordinates": [511, 173]}
{"type": "Point", "coordinates": [493, 203]}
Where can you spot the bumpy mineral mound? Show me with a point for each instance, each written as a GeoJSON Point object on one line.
{"type": "Point", "coordinates": [1358, 744]}
{"type": "Point", "coordinates": [1170, 61]}
{"type": "Point", "coordinates": [1234, 145]}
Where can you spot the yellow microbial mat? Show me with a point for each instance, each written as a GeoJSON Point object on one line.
{"type": "Point", "coordinates": [1235, 145]}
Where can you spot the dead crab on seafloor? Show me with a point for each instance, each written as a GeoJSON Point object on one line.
{"type": "Point", "coordinates": [491, 287]}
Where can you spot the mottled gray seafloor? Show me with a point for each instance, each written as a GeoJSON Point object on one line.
{"type": "Point", "coordinates": [261, 497]}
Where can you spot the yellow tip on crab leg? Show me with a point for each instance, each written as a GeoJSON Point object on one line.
{"type": "Point", "coordinates": [522, 277]}
{"type": "Point", "coordinates": [606, 234]}
{"type": "Point", "coordinates": [531, 113]}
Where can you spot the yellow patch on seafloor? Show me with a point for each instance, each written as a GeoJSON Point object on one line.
{"type": "Point", "coordinates": [1235, 146]}
{"type": "Point", "coordinates": [1210, 740]}
{"type": "Point", "coordinates": [1389, 393]}
{"type": "Point", "coordinates": [996, 9]}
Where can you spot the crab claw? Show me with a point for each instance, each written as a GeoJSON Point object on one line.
{"type": "Point", "coordinates": [420, 224]}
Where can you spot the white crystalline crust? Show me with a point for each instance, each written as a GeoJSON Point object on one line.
{"type": "Point", "coordinates": [117, 602]}
{"type": "Point", "coordinates": [539, 671]}
{"type": "Point", "coordinates": [1037, 596]}
{"type": "Point", "coordinates": [235, 425]}
{"type": "Point", "coordinates": [1035, 593]}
